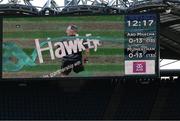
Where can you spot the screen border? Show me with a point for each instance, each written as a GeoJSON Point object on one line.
{"type": "Point", "coordinates": [157, 68]}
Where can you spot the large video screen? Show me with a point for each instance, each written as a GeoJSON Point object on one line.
{"type": "Point", "coordinates": [79, 46]}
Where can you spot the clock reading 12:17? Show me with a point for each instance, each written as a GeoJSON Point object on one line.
{"type": "Point", "coordinates": [143, 23]}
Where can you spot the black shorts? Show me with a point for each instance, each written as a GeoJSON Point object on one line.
{"type": "Point", "coordinates": [67, 66]}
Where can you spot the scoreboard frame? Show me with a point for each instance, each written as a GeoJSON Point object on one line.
{"type": "Point", "coordinates": [157, 69]}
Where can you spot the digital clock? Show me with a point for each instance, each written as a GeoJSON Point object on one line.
{"type": "Point", "coordinates": [139, 23]}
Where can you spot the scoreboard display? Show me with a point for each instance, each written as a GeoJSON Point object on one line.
{"type": "Point", "coordinates": [80, 46]}
{"type": "Point", "coordinates": [141, 47]}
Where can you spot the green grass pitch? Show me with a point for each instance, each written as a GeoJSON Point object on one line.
{"type": "Point", "coordinates": [21, 32]}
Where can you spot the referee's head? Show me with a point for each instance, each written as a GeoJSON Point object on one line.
{"type": "Point", "coordinates": [71, 30]}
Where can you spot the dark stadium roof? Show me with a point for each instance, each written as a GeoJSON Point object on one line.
{"type": "Point", "coordinates": [170, 36]}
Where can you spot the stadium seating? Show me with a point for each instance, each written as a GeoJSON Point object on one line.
{"type": "Point", "coordinates": [49, 102]}
{"type": "Point", "coordinates": [93, 101]}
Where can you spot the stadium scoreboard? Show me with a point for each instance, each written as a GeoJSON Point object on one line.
{"type": "Point", "coordinates": [101, 46]}
{"type": "Point", "coordinates": [141, 47]}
